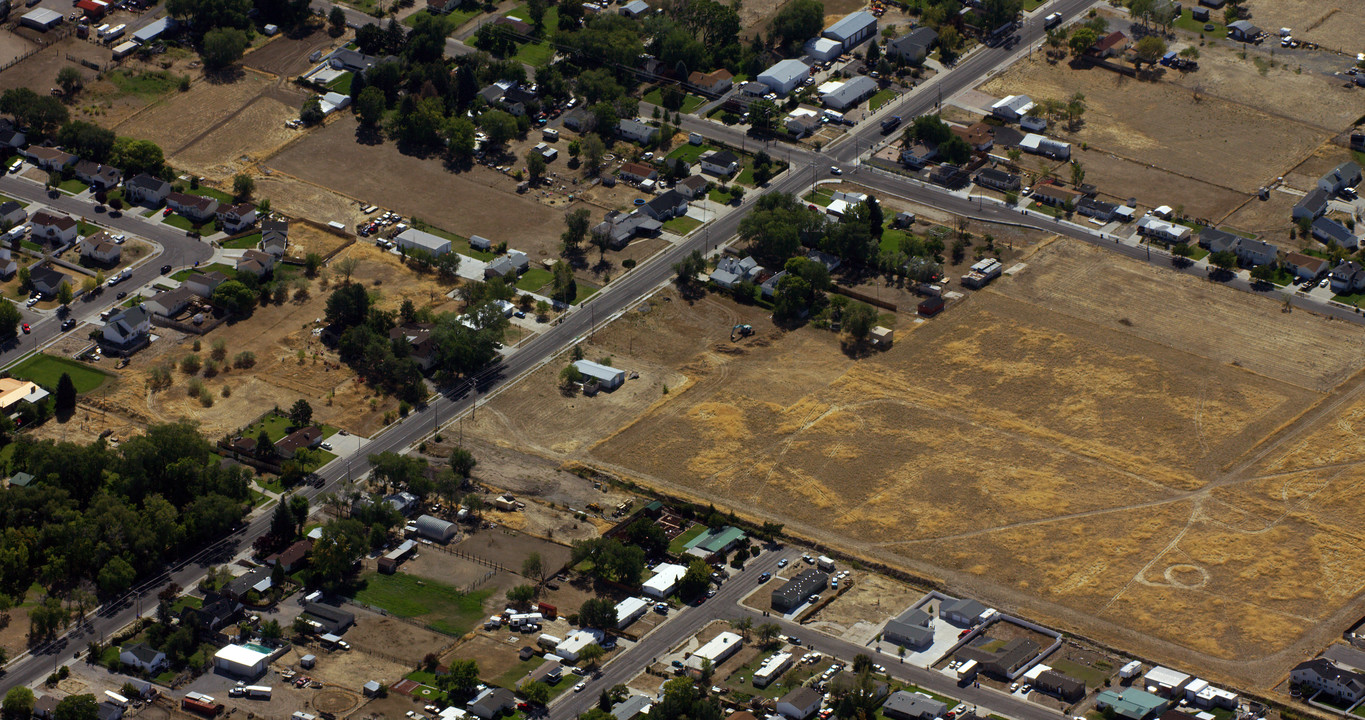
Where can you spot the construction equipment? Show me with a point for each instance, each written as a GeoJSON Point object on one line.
{"type": "Point", "coordinates": [741, 331]}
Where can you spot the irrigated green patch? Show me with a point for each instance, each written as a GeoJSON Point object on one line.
{"type": "Point", "coordinates": [47, 370]}
{"type": "Point", "coordinates": [442, 607]}
{"type": "Point", "coordinates": [146, 84]}
{"type": "Point", "coordinates": [534, 279]}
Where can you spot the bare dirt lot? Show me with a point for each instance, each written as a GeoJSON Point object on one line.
{"type": "Point", "coordinates": [478, 202]}
{"type": "Point", "coordinates": [1120, 179]}
{"type": "Point", "coordinates": [255, 132]}
{"type": "Point", "coordinates": [510, 548]}
{"type": "Point", "coordinates": [1002, 418]}
{"type": "Point", "coordinates": [388, 637]}
{"type": "Point", "coordinates": [871, 600]}
{"type": "Point", "coordinates": [13, 46]}
{"type": "Point", "coordinates": [184, 118]}
{"type": "Point", "coordinates": [287, 57]}
{"type": "Point", "coordinates": [444, 567]}
{"type": "Point", "coordinates": [495, 655]}
{"type": "Point", "coordinates": [1333, 25]}
{"type": "Point", "coordinates": [1162, 124]}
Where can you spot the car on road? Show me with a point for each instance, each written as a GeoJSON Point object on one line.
{"type": "Point", "coordinates": [27, 330]}
{"type": "Point", "coordinates": [122, 294]}
{"type": "Point", "coordinates": [579, 687]}
{"type": "Point", "coordinates": [765, 577]}
{"type": "Point", "coordinates": [711, 593]}
{"type": "Point", "coordinates": [782, 563]}
{"type": "Point", "coordinates": [68, 323]}
{"type": "Point", "coordinates": [834, 170]}
{"type": "Point", "coordinates": [165, 269]}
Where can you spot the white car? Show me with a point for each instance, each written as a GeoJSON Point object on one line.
{"type": "Point", "coordinates": [782, 563]}
{"type": "Point", "coordinates": [326, 446]}
{"type": "Point", "coordinates": [579, 687]}
{"type": "Point", "coordinates": [834, 170]}
{"type": "Point", "coordinates": [1325, 282]}
{"type": "Point", "coordinates": [32, 301]}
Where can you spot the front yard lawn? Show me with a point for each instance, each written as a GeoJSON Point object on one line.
{"type": "Point", "coordinates": [534, 279]}
{"type": "Point", "coordinates": [185, 274]}
{"type": "Point", "coordinates": [689, 153]}
{"type": "Point", "coordinates": [72, 186]}
{"type": "Point", "coordinates": [690, 102]}
{"type": "Point", "coordinates": [535, 54]}
{"type": "Point", "coordinates": [245, 242]}
{"type": "Point", "coordinates": [47, 370]}
{"type": "Point", "coordinates": [585, 291]}
{"type": "Point", "coordinates": [881, 98]}
{"type": "Point", "coordinates": [682, 225]}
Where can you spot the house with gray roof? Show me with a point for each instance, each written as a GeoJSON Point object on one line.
{"type": "Point", "coordinates": [904, 705]}
{"type": "Point", "coordinates": [1243, 30]}
{"type": "Point", "coordinates": [913, 46]}
{"type": "Point", "coordinates": [1343, 176]}
{"type": "Point", "coordinates": [912, 629]}
{"type": "Point", "coordinates": [853, 91]}
{"type": "Point", "coordinates": [1312, 205]}
{"type": "Point", "coordinates": [1329, 231]}
{"type": "Point", "coordinates": [635, 8]}
{"type": "Point", "coordinates": [794, 593]}
{"type": "Point", "coordinates": [961, 612]}
{"type": "Point", "coordinates": [620, 228]}
{"type": "Point", "coordinates": [129, 328]}
{"type": "Point", "coordinates": [637, 131]}
{"type": "Point", "coordinates": [666, 206]}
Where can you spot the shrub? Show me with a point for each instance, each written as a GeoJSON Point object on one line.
{"type": "Point", "coordinates": [219, 350]}
{"type": "Point", "coordinates": [190, 364]}
{"type": "Point", "coordinates": [244, 359]}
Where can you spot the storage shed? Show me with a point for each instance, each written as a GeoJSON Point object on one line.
{"type": "Point", "coordinates": [607, 377]}
{"type": "Point", "coordinates": [42, 19]}
{"type": "Point", "coordinates": [434, 528]}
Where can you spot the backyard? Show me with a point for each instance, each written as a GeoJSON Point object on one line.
{"type": "Point", "coordinates": [47, 370]}
{"type": "Point", "coordinates": [442, 607]}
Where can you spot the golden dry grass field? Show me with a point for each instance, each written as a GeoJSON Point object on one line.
{"type": "Point", "coordinates": [1082, 442]}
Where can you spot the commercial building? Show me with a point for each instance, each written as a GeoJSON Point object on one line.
{"type": "Point", "coordinates": [850, 93]}
{"type": "Point", "coordinates": [797, 590]}
{"type": "Point", "coordinates": [785, 76]}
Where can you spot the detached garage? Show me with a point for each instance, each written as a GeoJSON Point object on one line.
{"type": "Point", "coordinates": [42, 19]}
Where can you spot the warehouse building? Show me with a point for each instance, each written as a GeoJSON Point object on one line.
{"type": "Point", "coordinates": [241, 660]}
{"type": "Point", "coordinates": [853, 29]}
{"type": "Point", "coordinates": [785, 76]}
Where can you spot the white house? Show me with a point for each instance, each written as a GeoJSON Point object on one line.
{"type": "Point", "coordinates": [573, 645]}
{"type": "Point", "coordinates": [785, 76]}
{"type": "Point", "coordinates": [236, 218]}
{"type": "Point", "coordinates": [800, 703]}
{"type": "Point", "coordinates": [60, 228]}
{"type": "Point", "coordinates": [128, 328]}
{"type": "Point", "coordinates": [630, 610]}
{"type": "Point", "coordinates": [716, 651]}
{"type": "Point", "coordinates": [1322, 674]}
{"type": "Point", "coordinates": [664, 581]}
{"type": "Point", "coordinates": [719, 162]}
{"type": "Point", "coordinates": [1045, 146]}
{"type": "Point", "coordinates": [194, 207]}
{"type": "Point", "coordinates": [1165, 681]}
{"type": "Point", "coordinates": [637, 131]}
{"type": "Point", "coordinates": [144, 188]}
{"type": "Point", "coordinates": [101, 248]}
{"type": "Point", "coordinates": [143, 657]}
{"type": "Point", "coordinates": [12, 213]}
{"type": "Point", "coordinates": [7, 264]}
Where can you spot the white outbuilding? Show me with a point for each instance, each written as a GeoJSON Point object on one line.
{"type": "Point", "coordinates": [607, 377]}
{"type": "Point", "coordinates": [241, 660]}
{"type": "Point", "coordinates": [785, 76]}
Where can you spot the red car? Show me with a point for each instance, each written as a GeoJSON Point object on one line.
{"type": "Point", "coordinates": [166, 212]}
{"type": "Point", "coordinates": [26, 329]}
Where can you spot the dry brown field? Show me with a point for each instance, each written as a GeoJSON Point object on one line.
{"type": "Point", "coordinates": [1333, 25]}
{"type": "Point", "coordinates": [1087, 442]}
{"type": "Point", "coordinates": [184, 118]}
{"type": "Point", "coordinates": [1161, 124]}
{"type": "Point", "coordinates": [390, 637]}
{"type": "Point", "coordinates": [1119, 179]}
{"type": "Point", "coordinates": [254, 133]}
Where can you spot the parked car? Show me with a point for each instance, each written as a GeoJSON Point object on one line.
{"type": "Point", "coordinates": [165, 269]}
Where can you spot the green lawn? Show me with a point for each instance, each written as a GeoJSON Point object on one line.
{"type": "Point", "coordinates": [891, 239]}
{"type": "Point", "coordinates": [185, 274]}
{"type": "Point", "coordinates": [341, 84]}
{"type": "Point", "coordinates": [720, 196]}
{"type": "Point", "coordinates": [276, 426]}
{"type": "Point", "coordinates": [72, 186]}
{"type": "Point", "coordinates": [246, 242]}
{"type": "Point", "coordinates": [185, 601]}
{"type": "Point", "coordinates": [510, 678]}
{"type": "Point", "coordinates": [585, 291]}
{"type": "Point", "coordinates": [679, 544]}
{"type": "Point", "coordinates": [144, 84]}
{"type": "Point", "coordinates": [881, 98]}
{"type": "Point", "coordinates": [534, 54]}
{"type": "Point", "coordinates": [422, 676]}
{"type": "Point", "coordinates": [109, 658]}
{"type": "Point", "coordinates": [442, 607]}
{"type": "Point", "coordinates": [820, 197]}
{"type": "Point", "coordinates": [1197, 253]}
{"type": "Point", "coordinates": [682, 225]}
{"type": "Point", "coordinates": [180, 221]}
{"type": "Point", "coordinates": [689, 153]}
{"type": "Point", "coordinates": [690, 102]}
{"type": "Point", "coordinates": [534, 279]}
{"type": "Point", "coordinates": [453, 19]}
{"type": "Point", "coordinates": [46, 370]}
{"type": "Point", "coordinates": [35, 247]}
{"type": "Point", "coordinates": [204, 191]}
{"type": "Point", "coordinates": [1031, 5]}
{"type": "Point", "coordinates": [438, 232]}
{"type": "Point", "coordinates": [1187, 22]}
{"type": "Point", "coordinates": [273, 484]}
{"type": "Point", "coordinates": [166, 677]}
{"type": "Point", "coordinates": [6, 198]}
{"type": "Point", "coordinates": [1350, 299]}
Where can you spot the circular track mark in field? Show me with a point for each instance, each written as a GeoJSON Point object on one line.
{"type": "Point", "coordinates": [334, 701]}
{"type": "Point", "coordinates": [1186, 576]}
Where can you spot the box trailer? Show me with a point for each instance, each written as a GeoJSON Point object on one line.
{"type": "Point", "coordinates": [967, 670]}
{"type": "Point", "coordinates": [202, 704]}
{"type": "Point", "coordinates": [258, 692]}
{"type": "Point", "coordinates": [825, 563]}
{"type": "Point", "coordinates": [114, 33]}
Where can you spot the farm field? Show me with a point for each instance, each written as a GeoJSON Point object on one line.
{"type": "Point", "coordinates": [251, 135]}
{"type": "Point", "coordinates": [1003, 420]}
{"type": "Point", "coordinates": [184, 118]}
{"type": "Point", "coordinates": [1162, 124]}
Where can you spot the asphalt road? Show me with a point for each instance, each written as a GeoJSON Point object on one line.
{"type": "Point", "coordinates": [177, 249]}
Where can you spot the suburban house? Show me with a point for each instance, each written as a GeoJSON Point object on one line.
{"type": "Point", "coordinates": [101, 248]}
{"type": "Point", "coordinates": [216, 611]}
{"type": "Point", "coordinates": [1348, 277]}
{"type": "Point", "coordinates": [1113, 44]}
{"type": "Point", "coordinates": [998, 180]}
{"type": "Point", "coordinates": [97, 176]}
{"type": "Point", "coordinates": [47, 281]}
{"type": "Point", "coordinates": [236, 218]}
{"type": "Point", "coordinates": [441, 7]}
{"type": "Point", "coordinates": [1342, 177]}
{"type": "Point", "coordinates": [1004, 661]}
{"type": "Point", "coordinates": [128, 328]}
{"type": "Point", "coordinates": [949, 176]}
{"type": "Point", "coordinates": [1098, 209]}
{"type": "Point", "coordinates": [979, 135]}
{"type": "Point", "coordinates": [1322, 674]}
{"type": "Point", "coordinates": [715, 82]}
{"type": "Point", "coordinates": [298, 440]}
{"type": "Point", "coordinates": [1012, 107]}
{"type": "Point", "coordinates": [843, 201]}
{"type": "Point", "coordinates": [512, 264]}
{"type": "Point", "coordinates": [964, 612]}
{"type": "Point", "coordinates": [852, 29]}
{"type": "Point", "coordinates": [48, 158]}
{"type": "Point", "coordinates": [203, 284]}
{"type": "Point", "coordinates": [913, 46]}
{"type": "Point", "coordinates": [10, 136]}
{"type": "Point", "coordinates": [256, 262]}
{"type": "Point", "coordinates": [1312, 205]}
{"type": "Point", "coordinates": [275, 237]}
{"type": "Point", "coordinates": [143, 658]}
{"type": "Point", "coordinates": [904, 705]}
{"type": "Point", "coordinates": [355, 61]}
{"type": "Point", "coordinates": [579, 119]}
{"type": "Point", "coordinates": [144, 188]}
{"type": "Point", "coordinates": [637, 131]}
{"type": "Point", "coordinates": [1056, 195]}
{"type": "Point", "coordinates": [637, 172]}
{"type": "Point", "coordinates": [418, 338]}
{"type": "Point", "coordinates": [731, 271]}
{"type": "Point", "coordinates": [12, 213]}
{"type": "Point", "coordinates": [7, 264]}
{"type": "Point", "coordinates": [666, 206]}
{"type": "Point", "coordinates": [633, 707]}
{"type": "Point", "coordinates": [1045, 146]}
{"type": "Point", "coordinates": [1248, 251]}
{"type": "Point", "coordinates": [491, 703]}
{"type": "Point", "coordinates": [802, 124]}
{"type": "Point", "coordinates": [292, 557]}
{"type": "Point", "coordinates": [784, 76]}
{"type": "Point", "coordinates": [195, 207]}
{"type": "Point", "coordinates": [1154, 228]}
{"type": "Point", "coordinates": [1063, 686]}
{"type": "Point", "coordinates": [169, 303]}
{"type": "Point", "coordinates": [621, 228]}
{"type": "Point", "coordinates": [918, 155]}
{"type": "Point", "coordinates": [1305, 267]}
{"type": "Point", "coordinates": [60, 228]}
{"type": "Point", "coordinates": [1132, 704]}
{"type": "Point", "coordinates": [912, 629]}
{"type": "Point", "coordinates": [719, 162]}
{"type": "Point", "coordinates": [800, 703]}
{"type": "Point", "coordinates": [1331, 232]}
{"type": "Point", "coordinates": [1243, 30]}
{"type": "Point", "coordinates": [14, 391]}
{"type": "Point", "coordinates": [692, 187]}
{"type": "Point", "coordinates": [849, 93]}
